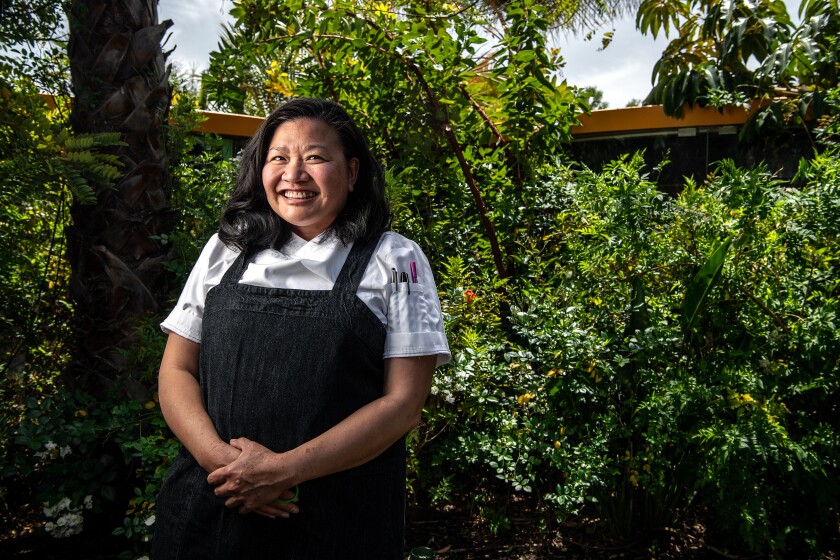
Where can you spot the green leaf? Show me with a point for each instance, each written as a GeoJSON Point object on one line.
{"type": "Point", "coordinates": [524, 56]}
{"type": "Point", "coordinates": [700, 286]}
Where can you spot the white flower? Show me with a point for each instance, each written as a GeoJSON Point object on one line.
{"type": "Point", "coordinates": [69, 522]}
{"type": "Point", "coordinates": [50, 446]}
{"type": "Point", "coordinates": [66, 526]}
{"type": "Point", "coordinates": [88, 501]}
{"type": "Point", "coordinates": [65, 451]}
{"type": "Point", "coordinates": [150, 521]}
{"type": "Point", "coordinates": [62, 505]}
{"type": "Point", "coordinates": [142, 558]}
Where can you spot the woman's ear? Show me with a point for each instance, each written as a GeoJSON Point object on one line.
{"type": "Point", "coordinates": [352, 172]}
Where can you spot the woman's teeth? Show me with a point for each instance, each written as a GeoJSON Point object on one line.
{"type": "Point", "coordinates": [298, 194]}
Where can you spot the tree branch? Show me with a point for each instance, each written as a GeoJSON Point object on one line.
{"type": "Point", "coordinates": [445, 128]}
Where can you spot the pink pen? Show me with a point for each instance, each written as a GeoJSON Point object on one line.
{"type": "Point", "coordinates": [413, 268]}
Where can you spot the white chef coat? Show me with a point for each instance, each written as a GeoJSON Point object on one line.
{"type": "Point", "coordinates": [410, 311]}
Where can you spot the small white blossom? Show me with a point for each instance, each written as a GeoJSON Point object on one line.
{"type": "Point", "coordinates": [65, 451]}
{"type": "Point", "coordinates": [60, 506]}
{"type": "Point", "coordinates": [88, 502]}
{"type": "Point", "coordinates": [67, 525]}
{"type": "Point", "coordinates": [150, 521]}
{"type": "Point", "coordinates": [69, 520]}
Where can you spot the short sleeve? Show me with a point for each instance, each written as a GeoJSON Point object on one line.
{"type": "Point", "coordinates": [410, 306]}
{"type": "Point", "coordinates": [187, 316]}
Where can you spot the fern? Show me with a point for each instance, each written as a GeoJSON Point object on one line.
{"type": "Point", "coordinates": [79, 186]}
{"type": "Point", "coordinates": [79, 143]}
{"type": "Point", "coordinates": [84, 166]}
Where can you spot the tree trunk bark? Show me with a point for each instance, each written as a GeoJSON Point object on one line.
{"type": "Point", "coordinates": [120, 84]}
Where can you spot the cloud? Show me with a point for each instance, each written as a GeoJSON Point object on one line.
{"type": "Point", "coordinates": [196, 29]}
{"type": "Point", "coordinates": [622, 71]}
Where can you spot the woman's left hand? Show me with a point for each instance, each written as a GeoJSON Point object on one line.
{"type": "Point", "coordinates": [254, 480]}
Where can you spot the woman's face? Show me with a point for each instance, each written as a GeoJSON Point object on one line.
{"type": "Point", "coordinates": [306, 176]}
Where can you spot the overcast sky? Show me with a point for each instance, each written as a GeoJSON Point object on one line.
{"type": "Point", "coordinates": [622, 71]}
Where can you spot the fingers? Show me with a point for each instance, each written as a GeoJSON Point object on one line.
{"type": "Point", "coordinates": [277, 510]}
{"type": "Point", "coordinates": [270, 509]}
{"type": "Point", "coordinates": [283, 505]}
{"type": "Point", "coordinates": [289, 495]}
{"type": "Point", "coordinates": [239, 443]}
{"type": "Point", "coordinates": [218, 476]}
{"type": "Point", "coordinates": [227, 486]}
{"type": "Point", "coordinates": [226, 479]}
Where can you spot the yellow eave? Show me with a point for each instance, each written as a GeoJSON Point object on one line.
{"type": "Point", "coordinates": [653, 117]}
{"type": "Point", "coordinates": [606, 121]}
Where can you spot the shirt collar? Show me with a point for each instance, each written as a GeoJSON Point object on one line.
{"type": "Point", "coordinates": [323, 255]}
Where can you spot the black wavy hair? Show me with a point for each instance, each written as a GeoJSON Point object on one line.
{"type": "Point", "coordinates": [248, 222]}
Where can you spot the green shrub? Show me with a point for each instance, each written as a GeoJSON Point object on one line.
{"type": "Point", "coordinates": [595, 396]}
{"type": "Point", "coordinates": [62, 452]}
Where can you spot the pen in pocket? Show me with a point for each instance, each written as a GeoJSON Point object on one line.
{"type": "Point", "coordinates": [404, 279]}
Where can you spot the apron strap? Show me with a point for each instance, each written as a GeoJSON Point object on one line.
{"type": "Point", "coordinates": [354, 267]}
{"type": "Point", "coordinates": [234, 272]}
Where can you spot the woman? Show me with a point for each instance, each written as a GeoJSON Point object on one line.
{"type": "Point", "coordinates": [299, 355]}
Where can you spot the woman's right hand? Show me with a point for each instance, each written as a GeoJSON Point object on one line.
{"type": "Point", "coordinates": [255, 481]}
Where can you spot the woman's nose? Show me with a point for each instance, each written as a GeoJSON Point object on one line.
{"type": "Point", "coordinates": [295, 172]}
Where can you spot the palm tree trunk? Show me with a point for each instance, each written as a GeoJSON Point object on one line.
{"type": "Point", "coordinates": [120, 84]}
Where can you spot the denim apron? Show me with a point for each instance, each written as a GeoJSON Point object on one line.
{"type": "Point", "coordinates": [281, 367]}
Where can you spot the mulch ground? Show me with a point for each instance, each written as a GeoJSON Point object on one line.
{"type": "Point", "coordinates": [454, 533]}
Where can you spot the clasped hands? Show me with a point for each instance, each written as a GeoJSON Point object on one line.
{"type": "Point", "coordinates": [253, 481]}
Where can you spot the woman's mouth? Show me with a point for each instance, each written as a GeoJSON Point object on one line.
{"type": "Point", "coordinates": [299, 195]}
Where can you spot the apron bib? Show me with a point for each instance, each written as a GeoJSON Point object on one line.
{"type": "Point", "coordinates": [281, 367]}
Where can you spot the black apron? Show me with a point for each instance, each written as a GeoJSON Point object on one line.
{"type": "Point", "coordinates": [281, 367]}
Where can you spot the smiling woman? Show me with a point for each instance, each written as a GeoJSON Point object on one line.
{"type": "Point", "coordinates": [294, 364]}
{"type": "Point", "coordinates": [307, 177]}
